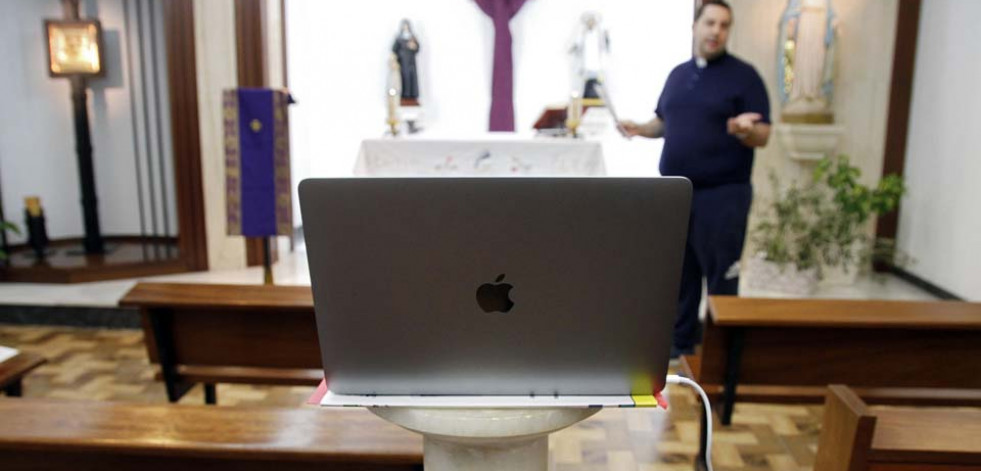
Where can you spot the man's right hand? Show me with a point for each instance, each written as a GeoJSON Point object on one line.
{"type": "Point", "coordinates": [652, 129]}
{"type": "Point", "coordinates": [630, 128]}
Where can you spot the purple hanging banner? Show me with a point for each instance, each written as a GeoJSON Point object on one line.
{"type": "Point", "coordinates": [502, 82]}
{"type": "Point", "coordinates": [257, 162]}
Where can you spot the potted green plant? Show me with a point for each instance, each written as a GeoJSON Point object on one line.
{"type": "Point", "coordinates": [786, 239]}
{"type": "Point", "coordinates": [849, 248]}
{"type": "Point", "coordinates": [820, 229]}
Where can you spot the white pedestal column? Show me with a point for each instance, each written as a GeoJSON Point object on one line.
{"type": "Point", "coordinates": [809, 142]}
{"type": "Point", "coordinates": [484, 439]}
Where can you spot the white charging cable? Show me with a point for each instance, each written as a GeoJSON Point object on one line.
{"type": "Point", "coordinates": [675, 379]}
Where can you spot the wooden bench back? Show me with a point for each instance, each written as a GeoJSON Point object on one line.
{"type": "Point", "coordinates": [850, 313]}
{"type": "Point", "coordinates": [812, 342]}
{"type": "Point", "coordinates": [846, 432]}
{"type": "Point", "coordinates": [229, 325]}
{"type": "Point", "coordinates": [48, 434]}
{"type": "Point", "coordinates": [855, 437]}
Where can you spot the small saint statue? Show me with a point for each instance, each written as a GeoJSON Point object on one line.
{"type": "Point", "coordinates": [591, 44]}
{"type": "Point", "coordinates": [806, 60]}
{"type": "Point", "coordinates": [405, 49]}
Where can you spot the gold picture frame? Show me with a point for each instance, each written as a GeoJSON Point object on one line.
{"type": "Point", "coordinates": [74, 48]}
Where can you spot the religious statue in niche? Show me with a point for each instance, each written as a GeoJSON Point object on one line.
{"type": "Point", "coordinates": [406, 48]}
{"type": "Point", "coordinates": [806, 61]}
{"type": "Point", "coordinates": [589, 47]}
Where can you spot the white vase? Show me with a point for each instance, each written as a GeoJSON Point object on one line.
{"type": "Point", "coordinates": [840, 275]}
{"type": "Point", "coordinates": [845, 274]}
{"type": "Point", "coordinates": [769, 277]}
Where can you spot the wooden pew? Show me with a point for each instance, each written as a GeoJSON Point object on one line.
{"type": "Point", "coordinates": [789, 350]}
{"type": "Point", "coordinates": [210, 334]}
{"type": "Point", "coordinates": [855, 437]}
{"type": "Point", "coordinates": [77, 435]}
{"type": "Point", "coordinates": [12, 372]}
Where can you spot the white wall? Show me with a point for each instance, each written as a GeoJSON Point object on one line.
{"type": "Point", "coordinates": [37, 155]}
{"type": "Point", "coordinates": [37, 142]}
{"type": "Point", "coordinates": [940, 222]}
{"type": "Point", "coordinates": [273, 45]}
{"type": "Point", "coordinates": [337, 57]}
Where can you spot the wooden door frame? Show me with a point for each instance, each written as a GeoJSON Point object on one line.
{"type": "Point", "coordinates": [186, 132]}
{"type": "Point", "coordinates": [251, 60]}
{"type": "Point", "coordinates": [185, 124]}
{"type": "Point", "coordinates": [900, 98]}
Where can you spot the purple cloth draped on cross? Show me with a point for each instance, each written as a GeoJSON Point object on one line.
{"type": "Point", "coordinates": [257, 162]}
{"type": "Point", "coordinates": [502, 86]}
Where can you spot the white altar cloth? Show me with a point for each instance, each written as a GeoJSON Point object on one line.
{"type": "Point", "coordinates": [497, 156]}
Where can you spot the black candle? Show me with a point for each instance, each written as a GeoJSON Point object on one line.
{"type": "Point", "coordinates": [37, 233]}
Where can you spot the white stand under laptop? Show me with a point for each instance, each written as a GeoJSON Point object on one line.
{"type": "Point", "coordinates": [484, 432]}
{"type": "Point", "coordinates": [484, 439]}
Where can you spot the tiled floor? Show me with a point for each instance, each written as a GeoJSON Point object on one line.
{"type": "Point", "coordinates": [111, 365]}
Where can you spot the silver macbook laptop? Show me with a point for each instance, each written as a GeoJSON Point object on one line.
{"type": "Point", "coordinates": [495, 286]}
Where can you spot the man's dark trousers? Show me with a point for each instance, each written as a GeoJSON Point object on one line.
{"type": "Point", "coordinates": [716, 232]}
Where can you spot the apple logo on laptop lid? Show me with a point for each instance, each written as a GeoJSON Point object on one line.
{"type": "Point", "coordinates": [495, 297]}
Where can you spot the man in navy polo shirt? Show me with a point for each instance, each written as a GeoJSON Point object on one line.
{"type": "Point", "coordinates": [712, 113]}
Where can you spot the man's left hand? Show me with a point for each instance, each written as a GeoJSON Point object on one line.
{"type": "Point", "coordinates": [740, 126]}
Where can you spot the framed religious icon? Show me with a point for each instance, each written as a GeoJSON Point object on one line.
{"type": "Point", "coordinates": [74, 47]}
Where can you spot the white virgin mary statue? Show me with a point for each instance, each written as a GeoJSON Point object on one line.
{"type": "Point", "coordinates": [589, 48]}
{"type": "Point", "coordinates": [806, 58]}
